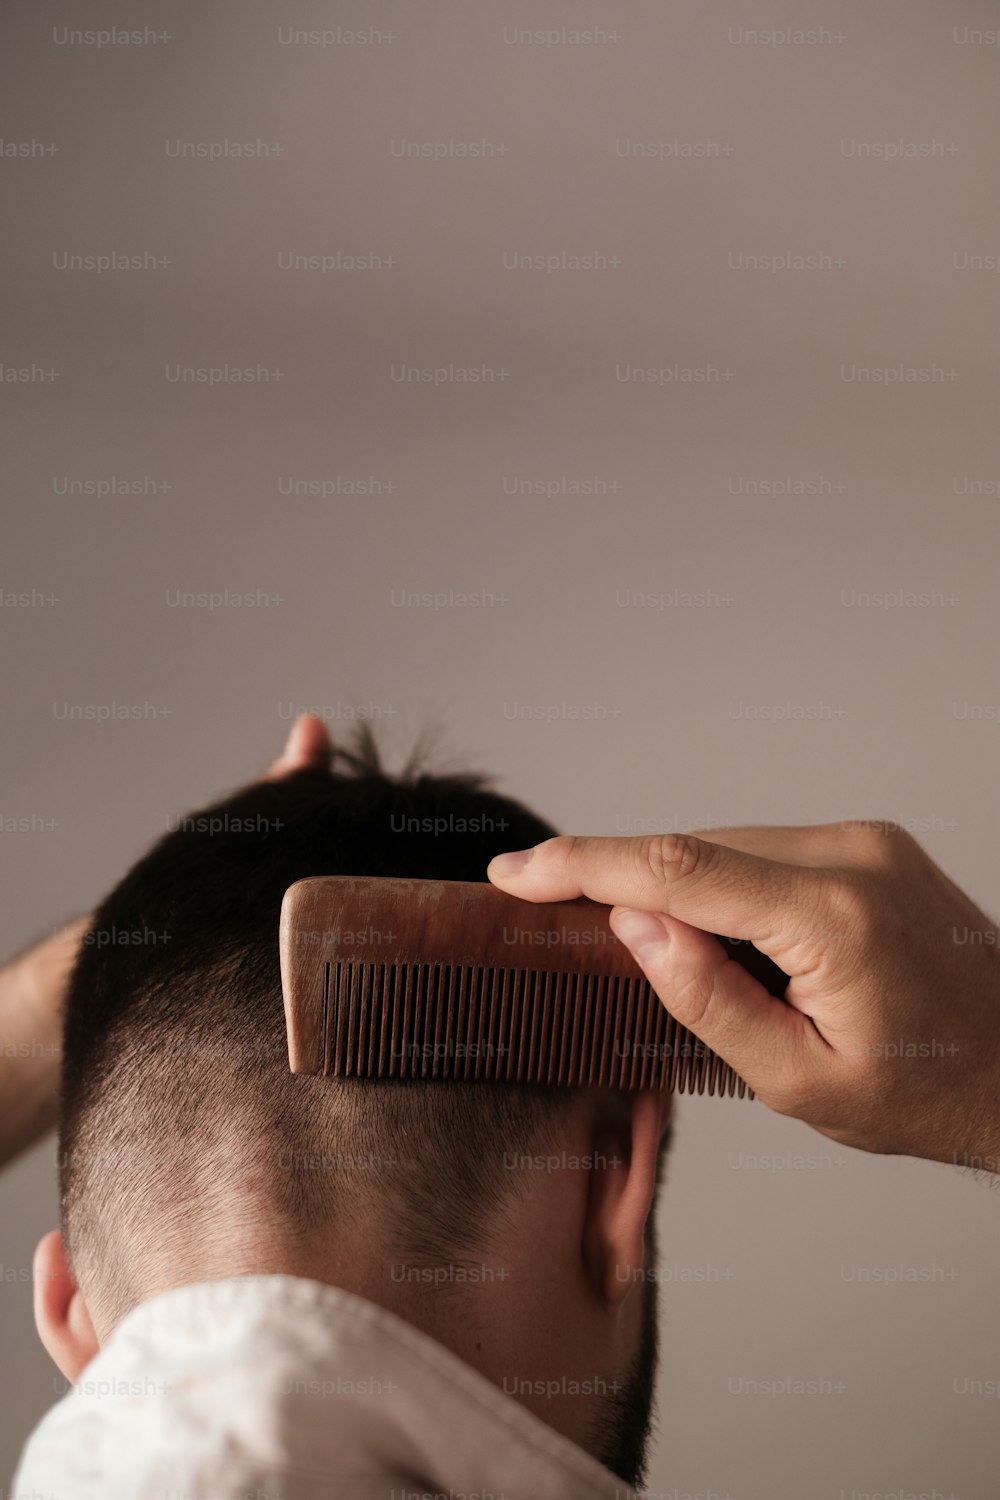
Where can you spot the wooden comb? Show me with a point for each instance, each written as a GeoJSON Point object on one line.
{"type": "Point", "coordinates": [458, 981]}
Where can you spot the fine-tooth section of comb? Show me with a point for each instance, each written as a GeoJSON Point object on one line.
{"type": "Point", "coordinates": [458, 981]}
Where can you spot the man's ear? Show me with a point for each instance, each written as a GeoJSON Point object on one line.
{"type": "Point", "coordinates": [621, 1190]}
{"type": "Point", "coordinates": [61, 1315]}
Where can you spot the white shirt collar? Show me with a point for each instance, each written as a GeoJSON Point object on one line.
{"type": "Point", "coordinates": [279, 1388]}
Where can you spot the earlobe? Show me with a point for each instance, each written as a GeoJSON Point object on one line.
{"type": "Point", "coordinates": [622, 1188]}
{"type": "Point", "coordinates": [61, 1315]}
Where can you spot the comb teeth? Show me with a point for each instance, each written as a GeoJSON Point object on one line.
{"type": "Point", "coordinates": [461, 1022]}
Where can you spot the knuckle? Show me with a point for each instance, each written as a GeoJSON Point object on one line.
{"type": "Point", "coordinates": [669, 857]}
{"type": "Point", "coordinates": [689, 1001]}
{"type": "Point", "coordinates": [879, 844]}
{"type": "Point", "coordinates": [901, 844]}
{"type": "Point", "coordinates": [563, 848]}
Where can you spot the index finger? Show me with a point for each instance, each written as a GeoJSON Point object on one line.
{"type": "Point", "coordinates": [706, 884]}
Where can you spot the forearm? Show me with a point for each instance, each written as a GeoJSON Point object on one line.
{"type": "Point", "coordinates": [31, 994]}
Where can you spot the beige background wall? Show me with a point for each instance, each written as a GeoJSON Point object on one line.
{"type": "Point", "coordinates": [781, 696]}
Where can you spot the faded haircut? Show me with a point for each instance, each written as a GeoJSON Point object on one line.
{"type": "Point", "coordinates": [178, 1110]}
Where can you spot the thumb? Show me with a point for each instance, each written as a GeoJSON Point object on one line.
{"type": "Point", "coordinates": [771, 1045]}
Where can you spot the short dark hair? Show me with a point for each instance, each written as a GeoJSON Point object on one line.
{"type": "Point", "coordinates": [176, 1092]}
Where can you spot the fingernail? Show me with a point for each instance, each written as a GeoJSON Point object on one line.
{"type": "Point", "coordinates": [640, 930]}
{"type": "Point", "coordinates": [510, 864]}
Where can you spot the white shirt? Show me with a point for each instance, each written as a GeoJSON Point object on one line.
{"type": "Point", "coordinates": [279, 1388]}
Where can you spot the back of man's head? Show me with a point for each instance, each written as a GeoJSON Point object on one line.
{"type": "Point", "coordinates": [184, 1137]}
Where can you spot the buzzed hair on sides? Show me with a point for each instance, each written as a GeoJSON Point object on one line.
{"type": "Point", "coordinates": [178, 1111]}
